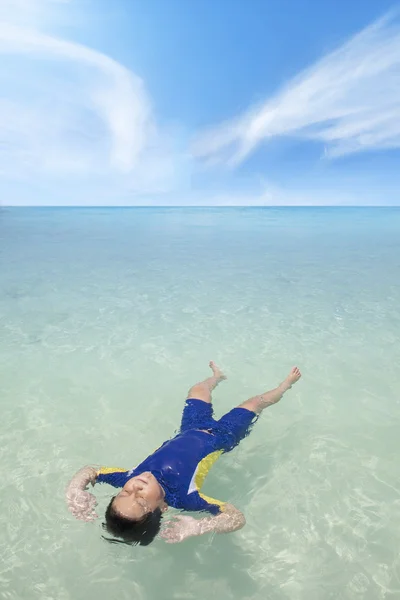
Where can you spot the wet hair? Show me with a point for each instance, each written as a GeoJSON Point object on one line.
{"type": "Point", "coordinates": [131, 531]}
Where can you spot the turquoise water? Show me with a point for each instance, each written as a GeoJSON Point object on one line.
{"type": "Point", "coordinates": [109, 315]}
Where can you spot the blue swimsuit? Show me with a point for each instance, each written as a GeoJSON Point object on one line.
{"type": "Point", "coordinates": [181, 464]}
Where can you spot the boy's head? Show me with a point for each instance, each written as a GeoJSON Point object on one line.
{"type": "Point", "coordinates": [135, 513]}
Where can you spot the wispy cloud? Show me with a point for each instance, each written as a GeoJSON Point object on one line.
{"type": "Point", "coordinates": [113, 93]}
{"type": "Point", "coordinates": [349, 102]}
{"type": "Point", "coordinates": [67, 109]}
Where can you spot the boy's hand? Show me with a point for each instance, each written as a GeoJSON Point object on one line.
{"type": "Point", "coordinates": [179, 529]}
{"type": "Point", "coordinates": [81, 504]}
{"type": "Point", "coordinates": [79, 501]}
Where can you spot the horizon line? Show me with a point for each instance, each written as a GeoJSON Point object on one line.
{"type": "Point", "coordinates": [110, 206]}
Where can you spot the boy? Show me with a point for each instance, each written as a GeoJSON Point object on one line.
{"type": "Point", "coordinates": [174, 474]}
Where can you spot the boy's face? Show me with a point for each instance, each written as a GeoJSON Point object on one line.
{"type": "Point", "coordinates": [139, 496]}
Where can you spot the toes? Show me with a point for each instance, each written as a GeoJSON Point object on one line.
{"type": "Point", "coordinates": [295, 372]}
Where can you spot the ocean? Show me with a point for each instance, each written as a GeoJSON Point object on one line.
{"type": "Point", "coordinates": [108, 316]}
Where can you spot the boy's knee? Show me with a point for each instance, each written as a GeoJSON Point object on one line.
{"type": "Point", "coordinates": [199, 391]}
{"type": "Point", "coordinates": [253, 404]}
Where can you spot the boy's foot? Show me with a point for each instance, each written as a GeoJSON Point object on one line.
{"type": "Point", "coordinates": [292, 378]}
{"type": "Point", "coordinates": [217, 371]}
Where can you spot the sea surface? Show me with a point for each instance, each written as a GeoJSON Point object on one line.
{"type": "Point", "coordinates": [107, 316]}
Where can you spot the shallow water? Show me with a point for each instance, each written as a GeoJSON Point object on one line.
{"type": "Point", "coordinates": [109, 315]}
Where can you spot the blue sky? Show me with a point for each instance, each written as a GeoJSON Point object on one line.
{"type": "Point", "coordinates": [177, 102]}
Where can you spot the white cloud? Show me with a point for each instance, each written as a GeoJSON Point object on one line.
{"type": "Point", "coordinates": [349, 102]}
{"type": "Point", "coordinates": [69, 110]}
{"type": "Point", "coordinates": [115, 94]}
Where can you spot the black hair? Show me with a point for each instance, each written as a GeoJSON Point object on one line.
{"type": "Point", "coordinates": [132, 531]}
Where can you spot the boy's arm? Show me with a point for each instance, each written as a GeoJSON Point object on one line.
{"type": "Point", "coordinates": [231, 519]}
{"type": "Point", "coordinates": [80, 502]}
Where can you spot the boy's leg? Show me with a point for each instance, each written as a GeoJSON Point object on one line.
{"type": "Point", "coordinates": [202, 390]}
{"type": "Point", "coordinates": [258, 403]}
{"type": "Point", "coordinates": [198, 411]}
{"type": "Point", "coordinates": [237, 423]}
